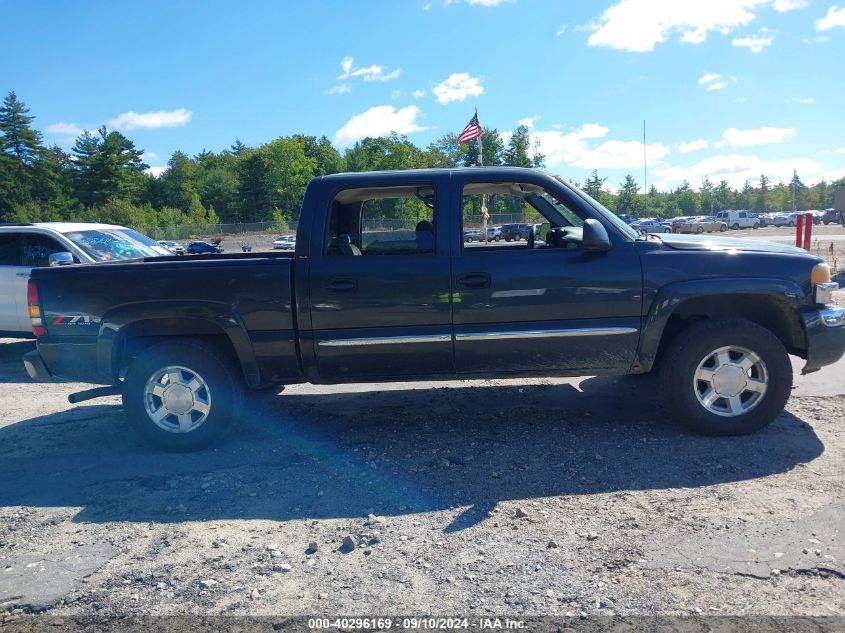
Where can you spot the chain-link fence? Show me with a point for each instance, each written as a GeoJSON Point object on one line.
{"type": "Point", "coordinates": [191, 231]}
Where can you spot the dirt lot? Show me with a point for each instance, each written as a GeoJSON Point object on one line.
{"type": "Point", "coordinates": [489, 497]}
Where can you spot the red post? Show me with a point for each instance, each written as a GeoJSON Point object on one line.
{"type": "Point", "coordinates": [799, 226]}
{"type": "Point", "coordinates": [808, 230]}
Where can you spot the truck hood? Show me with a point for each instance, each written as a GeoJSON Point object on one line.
{"type": "Point", "coordinates": [719, 243]}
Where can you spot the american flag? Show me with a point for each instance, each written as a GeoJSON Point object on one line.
{"type": "Point", "coordinates": [472, 130]}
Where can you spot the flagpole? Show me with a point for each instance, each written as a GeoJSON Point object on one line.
{"type": "Point", "coordinates": [480, 145]}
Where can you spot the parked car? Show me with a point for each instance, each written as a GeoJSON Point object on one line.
{"type": "Point", "coordinates": [765, 219]}
{"type": "Point", "coordinates": [707, 224]}
{"type": "Point", "coordinates": [817, 216]}
{"type": "Point", "coordinates": [494, 233]}
{"type": "Point", "coordinates": [24, 247]}
{"type": "Point", "coordinates": [197, 248]}
{"type": "Point", "coordinates": [675, 223]}
{"type": "Point", "coordinates": [651, 226]}
{"type": "Point", "coordinates": [833, 216]}
{"type": "Point", "coordinates": [738, 219]}
{"type": "Point", "coordinates": [285, 242]}
{"type": "Point", "coordinates": [784, 219]}
{"type": "Point", "coordinates": [180, 340]}
{"type": "Point", "coordinates": [627, 218]}
{"type": "Point", "coordinates": [473, 235]}
{"type": "Point", "coordinates": [173, 247]}
{"type": "Point", "coordinates": [514, 232]}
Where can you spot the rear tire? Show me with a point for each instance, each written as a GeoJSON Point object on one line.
{"type": "Point", "coordinates": [735, 226]}
{"type": "Point", "coordinates": [700, 230]}
{"type": "Point", "coordinates": [711, 358]}
{"type": "Point", "coordinates": [182, 395]}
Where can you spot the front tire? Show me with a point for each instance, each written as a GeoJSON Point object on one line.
{"type": "Point", "coordinates": [181, 395]}
{"type": "Point", "coordinates": [726, 377]}
{"type": "Point", "coordinates": [735, 226]}
{"type": "Point", "coordinates": [700, 230]}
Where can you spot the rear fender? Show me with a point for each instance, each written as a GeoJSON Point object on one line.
{"type": "Point", "coordinates": [174, 318]}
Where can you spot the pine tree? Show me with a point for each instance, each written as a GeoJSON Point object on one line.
{"type": "Point", "coordinates": [627, 200]}
{"type": "Point", "coordinates": [516, 155]}
{"type": "Point", "coordinates": [19, 140]}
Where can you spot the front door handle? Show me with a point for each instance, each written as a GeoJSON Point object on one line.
{"type": "Point", "coordinates": [21, 274]}
{"type": "Point", "coordinates": [474, 280]}
{"type": "Point", "coordinates": [342, 285]}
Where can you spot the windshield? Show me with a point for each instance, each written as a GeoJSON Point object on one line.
{"type": "Point", "coordinates": [603, 210]}
{"type": "Point", "coordinates": [106, 245]}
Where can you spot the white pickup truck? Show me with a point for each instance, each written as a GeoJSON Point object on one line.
{"type": "Point", "coordinates": [27, 246]}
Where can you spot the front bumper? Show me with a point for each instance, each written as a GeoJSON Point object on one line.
{"type": "Point", "coordinates": [36, 368]}
{"type": "Point", "coordinates": [825, 331]}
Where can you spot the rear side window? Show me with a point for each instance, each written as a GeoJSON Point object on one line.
{"type": "Point", "coordinates": [9, 250]}
{"type": "Point", "coordinates": [377, 221]}
{"type": "Point", "coordinates": [35, 249]}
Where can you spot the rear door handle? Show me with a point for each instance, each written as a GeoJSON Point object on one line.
{"type": "Point", "coordinates": [474, 280]}
{"type": "Point", "coordinates": [342, 285]}
{"type": "Point", "coordinates": [21, 274]}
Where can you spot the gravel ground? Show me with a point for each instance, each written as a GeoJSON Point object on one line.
{"type": "Point", "coordinates": [517, 497]}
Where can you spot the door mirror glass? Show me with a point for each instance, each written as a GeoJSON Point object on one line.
{"type": "Point", "coordinates": [61, 258]}
{"type": "Point", "coordinates": [595, 236]}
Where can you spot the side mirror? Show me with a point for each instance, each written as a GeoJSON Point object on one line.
{"type": "Point", "coordinates": [594, 236]}
{"type": "Point", "coordinates": [60, 258]}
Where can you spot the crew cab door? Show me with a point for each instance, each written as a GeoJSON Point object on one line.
{"type": "Point", "coordinates": [540, 307]}
{"type": "Point", "coordinates": [379, 279]}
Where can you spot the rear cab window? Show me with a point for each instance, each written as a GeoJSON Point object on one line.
{"type": "Point", "coordinates": [382, 221]}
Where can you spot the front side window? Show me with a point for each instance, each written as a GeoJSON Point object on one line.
{"type": "Point", "coordinates": [377, 221]}
{"type": "Point", "coordinates": [35, 249]}
{"type": "Point", "coordinates": [509, 216]}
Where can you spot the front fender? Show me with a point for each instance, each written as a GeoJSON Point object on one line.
{"type": "Point", "coordinates": [220, 316]}
{"type": "Point", "coordinates": [670, 299]}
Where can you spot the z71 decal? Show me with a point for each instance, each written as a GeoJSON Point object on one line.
{"type": "Point", "coordinates": [72, 319]}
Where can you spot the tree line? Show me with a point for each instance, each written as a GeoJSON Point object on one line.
{"type": "Point", "coordinates": [104, 177]}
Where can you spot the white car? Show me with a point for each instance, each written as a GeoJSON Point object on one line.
{"type": "Point", "coordinates": [27, 246]}
{"type": "Point", "coordinates": [286, 242]}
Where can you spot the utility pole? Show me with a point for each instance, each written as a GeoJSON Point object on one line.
{"type": "Point", "coordinates": [645, 173]}
{"type": "Point", "coordinates": [794, 178]}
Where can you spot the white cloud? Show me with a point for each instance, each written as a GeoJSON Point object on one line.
{"type": "Point", "coordinates": [67, 130]}
{"type": "Point", "coordinates": [736, 169]}
{"type": "Point", "coordinates": [755, 43]}
{"type": "Point", "coordinates": [156, 170]}
{"type": "Point", "coordinates": [574, 148]}
{"type": "Point", "coordinates": [639, 25]}
{"type": "Point", "coordinates": [692, 146]}
{"type": "Point", "coordinates": [148, 156]}
{"type": "Point", "coordinates": [561, 30]}
{"type": "Point", "coordinates": [367, 73]}
{"type": "Point", "coordinates": [480, 3]}
{"type": "Point", "coordinates": [802, 100]}
{"type": "Point", "coordinates": [339, 89]}
{"type": "Point", "coordinates": [841, 150]}
{"type": "Point", "coordinates": [759, 136]}
{"type": "Point", "coordinates": [781, 6]}
{"type": "Point", "coordinates": [418, 93]}
{"type": "Point", "coordinates": [528, 121]}
{"type": "Point", "coordinates": [379, 121]}
{"type": "Point", "coordinates": [458, 87]}
{"type": "Point", "coordinates": [708, 77]}
{"type": "Point", "coordinates": [835, 17]}
{"type": "Point", "coordinates": [150, 120]}
{"type": "Point", "coordinates": [717, 86]}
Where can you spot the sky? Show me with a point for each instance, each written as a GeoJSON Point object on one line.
{"type": "Point", "coordinates": [727, 88]}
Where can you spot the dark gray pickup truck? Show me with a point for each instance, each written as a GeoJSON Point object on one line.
{"type": "Point", "coordinates": [382, 286]}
